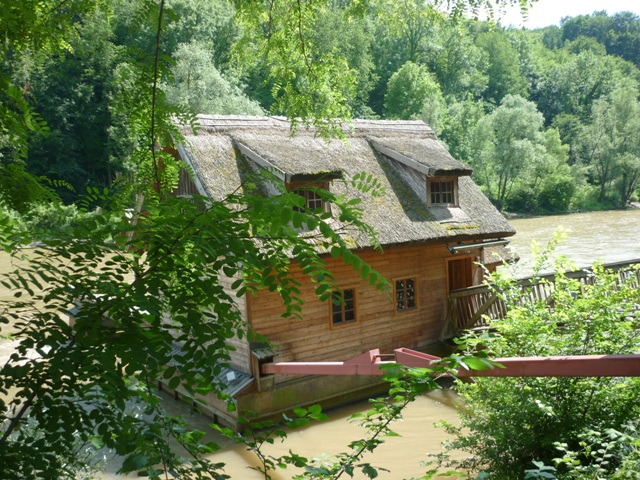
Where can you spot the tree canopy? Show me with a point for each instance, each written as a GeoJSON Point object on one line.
{"type": "Point", "coordinates": [68, 83]}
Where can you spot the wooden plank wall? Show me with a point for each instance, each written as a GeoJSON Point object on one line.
{"type": "Point", "coordinates": [240, 358]}
{"type": "Point", "coordinates": [313, 338]}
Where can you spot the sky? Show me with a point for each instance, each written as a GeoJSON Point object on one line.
{"type": "Point", "coordinates": [549, 12]}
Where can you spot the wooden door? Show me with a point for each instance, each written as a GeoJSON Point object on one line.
{"type": "Point", "coordinates": [460, 273]}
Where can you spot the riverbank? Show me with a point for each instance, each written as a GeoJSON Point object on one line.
{"type": "Point", "coordinates": [517, 215]}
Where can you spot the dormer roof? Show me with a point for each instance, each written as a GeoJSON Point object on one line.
{"type": "Point", "coordinates": [425, 155]}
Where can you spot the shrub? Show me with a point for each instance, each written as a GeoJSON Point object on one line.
{"type": "Point", "coordinates": [509, 423]}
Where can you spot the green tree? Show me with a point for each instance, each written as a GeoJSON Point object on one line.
{"type": "Point", "coordinates": [552, 37]}
{"type": "Point", "coordinates": [48, 28]}
{"type": "Point", "coordinates": [620, 33]}
{"type": "Point", "coordinates": [409, 89]}
{"type": "Point", "coordinates": [503, 67]}
{"type": "Point", "coordinates": [595, 26]}
{"type": "Point", "coordinates": [457, 63]}
{"type": "Point", "coordinates": [346, 34]}
{"type": "Point", "coordinates": [554, 181]}
{"type": "Point", "coordinates": [404, 32]}
{"type": "Point", "coordinates": [457, 132]}
{"type": "Point", "coordinates": [585, 44]}
{"type": "Point", "coordinates": [569, 126]}
{"type": "Point", "coordinates": [508, 424]}
{"type": "Point", "coordinates": [609, 145]}
{"type": "Point", "coordinates": [551, 183]}
{"type": "Point", "coordinates": [72, 91]}
{"type": "Point", "coordinates": [199, 86]}
{"type": "Point", "coordinates": [508, 145]}
{"type": "Point", "coordinates": [575, 82]}
{"type": "Point", "coordinates": [413, 22]}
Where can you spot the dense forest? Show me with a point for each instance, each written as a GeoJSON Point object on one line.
{"type": "Point", "coordinates": [549, 119]}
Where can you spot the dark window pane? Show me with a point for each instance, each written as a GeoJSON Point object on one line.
{"type": "Point", "coordinates": [411, 294]}
{"type": "Point", "coordinates": [400, 295]}
{"type": "Point", "coordinates": [405, 294]}
{"type": "Point", "coordinates": [343, 306]}
{"type": "Point", "coordinates": [350, 316]}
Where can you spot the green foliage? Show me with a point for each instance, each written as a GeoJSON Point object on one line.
{"type": "Point", "coordinates": [509, 147]}
{"type": "Point", "coordinates": [19, 189]}
{"type": "Point", "coordinates": [308, 85]}
{"type": "Point", "coordinates": [458, 64]}
{"type": "Point", "coordinates": [412, 89]}
{"type": "Point", "coordinates": [508, 423]}
{"type": "Point", "coordinates": [551, 183]}
{"type": "Point", "coordinates": [619, 33]}
{"type": "Point", "coordinates": [503, 67]}
{"type": "Point", "coordinates": [11, 227]}
{"type": "Point", "coordinates": [133, 308]}
{"type": "Point", "coordinates": [462, 119]}
{"type": "Point", "coordinates": [315, 62]}
{"type": "Point", "coordinates": [575, 82]}
{"type": "Point", "coordinates": [45, 220]}
{"type": "Point", "coordinates": [199, 86]}
{"type": "Point", "coordinates": [348, 35]}
{"type": "Point", "coordinates": [609, 145]}
{"type": "Point", "coordinates": [73, 91]}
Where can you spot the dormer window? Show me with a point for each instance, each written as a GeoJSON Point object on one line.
{"type": "Point", "coordinates": [442, 191]}
{"type": "Point", "coordinates": [313, 201]}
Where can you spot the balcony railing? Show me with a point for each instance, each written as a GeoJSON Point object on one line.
{"type": "Point", "coordinates": [475, 307]}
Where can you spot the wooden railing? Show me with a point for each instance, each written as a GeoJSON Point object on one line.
{"type": "Point", "coordinates": [475, 307]}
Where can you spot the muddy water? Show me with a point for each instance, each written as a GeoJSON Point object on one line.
{"type": "Point", "coordinates": [611, 236]}
{"type": "Point", "coordinates": [401, 455]}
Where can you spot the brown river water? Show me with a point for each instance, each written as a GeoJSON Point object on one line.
{"type": "Point", "coordinates": [608, 236]}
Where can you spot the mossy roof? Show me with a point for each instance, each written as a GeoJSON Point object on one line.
{"type": "Point", "coordinates": [226, 149]}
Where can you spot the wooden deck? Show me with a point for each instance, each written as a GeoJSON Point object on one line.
{"type": "Point", "coordinates": [475, 307]}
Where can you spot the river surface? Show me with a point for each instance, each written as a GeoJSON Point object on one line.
{"type": "Point", "coordinates": [608, 236]}
{"type": "Point", "coordinates": [611, 236]}
{"type": "Point", "coordinates": [401, 455]}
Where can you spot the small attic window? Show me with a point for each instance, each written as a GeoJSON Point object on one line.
{"type": "Point", "coordinates": [312, 199]}
{"type": "Point", "coordinates": [442, 191]}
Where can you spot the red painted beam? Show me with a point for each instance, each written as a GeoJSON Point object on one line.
{"type": "Point", "coordinates": [366, 364]}
{"type": "Point", "coordinates": [569, 366]}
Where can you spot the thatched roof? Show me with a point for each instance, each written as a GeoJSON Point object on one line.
{"type": "Point", "coordinates": [400, 154]}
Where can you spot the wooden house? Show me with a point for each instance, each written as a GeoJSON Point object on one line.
{"type": "Point", "coordinates": [433, 222]}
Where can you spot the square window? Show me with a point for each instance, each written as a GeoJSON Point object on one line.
{"type": "Point", "coordinates": [342, 307]}
{"type": "Point", "coordinates": [313, 200]}
{"type": "Point", "coordinates": [405, 294]}
{"type": "Point", "coordinates": [442, 192]}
